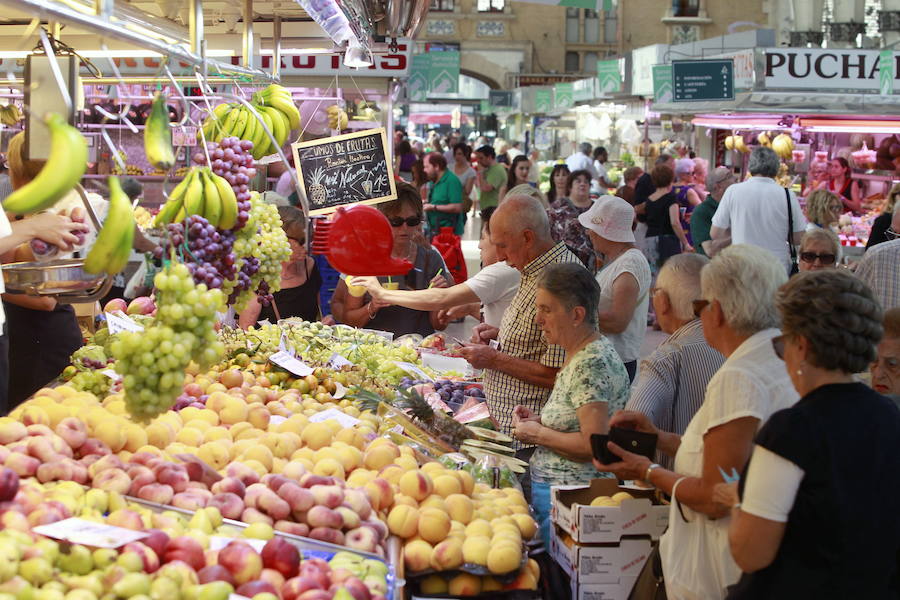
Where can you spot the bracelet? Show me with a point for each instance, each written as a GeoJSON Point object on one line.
{"type": "Point", "coordinates": [369, 310]}
{"type": "Point", "coordinates": [650, 470]}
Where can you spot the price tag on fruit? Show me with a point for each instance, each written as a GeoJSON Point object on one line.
{"type": "Point", "coordinates": [332, 413]}
{"type": "Point", "coordinates": [339, 391]}
{"type": "Point", "coordinates": [277, 420]}
{"type": "Point", "coordinates": [112, 374]}
{"type": "Point", "coordinates": [121, 322]}
{"type": "Point", "coordinates": [337, 361]}
{"type": "Point", "coordinates": [285, 346]}
{"type": "Point", "coordinates": [289, 363]}
{"type": "Point", "coordinates": [446, 364]}
{"type": "Point", "coordinates": [89, 533]}
{"type": "Point", "coordinates": [413, 370]}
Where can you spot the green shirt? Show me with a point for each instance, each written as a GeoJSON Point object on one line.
{"type": "Point", "coordinates": [701, 223]}
{"type": "Point", "coordinates": [594, 374]}
{"type": "Point", "coordinates": [447, 190]}
{"type": "Point", "coordinates": [496, 177]}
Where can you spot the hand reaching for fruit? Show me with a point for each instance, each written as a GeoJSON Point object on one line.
{"type": "Point", "coordinates": [53, 229]}
{"type": "Point", "coordinates": [483, 333]}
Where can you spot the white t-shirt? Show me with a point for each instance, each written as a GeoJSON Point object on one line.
{"type": "Point", "coordinates": [756, 212]}
{"type": "Point", "coordinates": [5, 231]}
{"type": "Point", "coordinates": [495, 285]}
{"type": "Point", "coordinates": [628, 343]}
{"type": "Point", "coordinates": [752, 382]}
{"type": "Point", "coordinates": [581, 162]}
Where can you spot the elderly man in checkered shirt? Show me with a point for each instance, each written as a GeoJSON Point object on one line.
{"type": "Point", "coordinates": [521, 368]}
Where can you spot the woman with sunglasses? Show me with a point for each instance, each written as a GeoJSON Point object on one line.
{"type": "Point", "coordinates": [739, 320]}
{"type": "Point", "coordinates": [300, 279]}
{"type": "Point", "coordinates": [817, 513]}
{"type": "Point", "coordinates": [405, 215]}
{"type": "Point", "coordinates": [881, 226]}
{"type": "Point", "coordinates": [819, 249]}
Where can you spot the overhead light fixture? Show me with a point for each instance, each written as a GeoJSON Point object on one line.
{"type": "Point", "coordinates": [357, 57]}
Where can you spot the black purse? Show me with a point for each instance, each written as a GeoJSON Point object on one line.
{"type": "Point", "coordinates": [790, 236]}
{"type": "Point", "coordinates": [637, 442]}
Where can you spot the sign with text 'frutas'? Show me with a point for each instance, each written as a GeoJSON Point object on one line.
{"type": "Point", "coordinates": [828, 69]}
{"type": "Point", "coordinates": [345, 169]}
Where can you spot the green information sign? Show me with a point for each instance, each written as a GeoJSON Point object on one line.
{"type": "Point", "coordinates": [543, 100]}
{"type": "Point", "coordinates": [886, 72]}
{"type": "Point", "coordinates": [662, 83]}
{"type": "Point", "coordinates": [443, 73]}
{"type": "Point", "coordinates": [485, 108]}
{"type": "Point", "coordinates": [695, 80]}
{"type": "Point", "coordinates": [563, 95]}
{"type": "Point", "coordinates": [417, 83]}
{"type": "Point", "coordinates": [609, 76]}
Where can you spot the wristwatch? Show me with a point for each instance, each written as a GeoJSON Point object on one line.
{"type": "Point", "coordinates": [650, 470]}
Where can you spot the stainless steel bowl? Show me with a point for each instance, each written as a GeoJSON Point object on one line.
{"type": "Point", "coordinates": [51, 277]}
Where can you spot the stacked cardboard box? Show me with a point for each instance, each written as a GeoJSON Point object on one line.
{"type": "Point", "coordinates": [604, 548]}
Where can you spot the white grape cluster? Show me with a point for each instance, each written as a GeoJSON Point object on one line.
{"type": "Point", "coordinates": [152, 363]}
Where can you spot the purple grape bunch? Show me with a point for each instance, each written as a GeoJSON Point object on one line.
{"type": "Point", "coordinates": [231, 160]}
{"type": "Point", "coordinates": [249, 267]}
{"type": "Point", "coordinates": [208, 252]}
{"type": "Point", "coordinates": [264, 293]}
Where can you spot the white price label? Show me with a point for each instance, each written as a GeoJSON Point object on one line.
{"type": "Point", "coordinates": [217, 542]}
{"type": "Point", "coordinates": [285, 346]}
{"type": "Point", "coordinates": [263, 323]}
{"type": "Point", "coordinates": [121, 322]}
{"type": "Point", "coordinates": [339, 391]}
{"type": "Point", "coordinates": [89, 533]}
{"type": "Point", "coordinates": [332, 413]}
{"type": "Point", "coordinates": [112, 374]}
{"type": "Point", "coordinates": [286, 361]}
{"type": "Point", "coordinates": [397, 429]}
{"type": "Point", "coordinates": [413, 370]}
{"type": "Point", "coordinates": [277, 420]}
{"type": "Point", "coordinates": [446, 364]}
{"type": "Point", "coordinates": [337, 361]}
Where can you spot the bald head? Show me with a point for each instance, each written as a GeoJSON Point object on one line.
{"type": "Point", "coordinates": [520, 212]}
{"type": "Point", "coordinates": [520, 230]}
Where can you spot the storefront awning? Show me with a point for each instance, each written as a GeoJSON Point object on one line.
{"type": "Point", "coordinates": [437, 119]}
{"type": "Point", "coordinates": [809, 103]}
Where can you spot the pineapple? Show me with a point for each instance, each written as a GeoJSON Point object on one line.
{"type": "Point", "coordinates": [316, 189]}
{"type": "Point", "coordinates": [438, 424]}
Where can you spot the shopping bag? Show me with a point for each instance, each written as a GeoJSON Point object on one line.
{"type": "Point", "coordinates": [450, 246]}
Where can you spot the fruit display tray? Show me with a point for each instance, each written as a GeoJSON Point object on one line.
{"type": "Point", "coordinates": [474, 569]}
{"type": "Point", "coordinates": [310, 548]}
{"type": "Point", "coordinates": [55, 277]}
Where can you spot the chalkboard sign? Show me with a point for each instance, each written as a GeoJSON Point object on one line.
{"type": "Point", "coordinates": [346, 169]}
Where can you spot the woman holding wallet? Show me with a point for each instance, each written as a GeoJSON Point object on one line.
{"type": "Point", "coordinates": [739, 320]}
{"type": "Point", "coordinates": [590, 386]}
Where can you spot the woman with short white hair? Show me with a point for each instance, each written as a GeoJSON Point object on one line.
{"type": "Point", "coordinates": [687, 196]}
{"type": "Point", "coordinates": [737, 309]}
{"type": "Point", "coordinates": [819, 249]}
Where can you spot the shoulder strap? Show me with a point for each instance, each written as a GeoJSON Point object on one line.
{"type": "Point", "coordinates": [790, 235]}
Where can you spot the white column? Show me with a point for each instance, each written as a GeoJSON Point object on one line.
{"type": "Point", "coordinates": [890, 37]}
{"type": "Point", "coordinates": [846, 11]}
{"type": "Point", "coordinates": [808, 14]}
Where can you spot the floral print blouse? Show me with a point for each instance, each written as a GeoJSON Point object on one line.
{"type": "Point", "coordinates": [564, 227]}
{"type": "Point", "coordinates": [594, 374]}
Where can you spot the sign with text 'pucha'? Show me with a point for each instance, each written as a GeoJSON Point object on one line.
{"type": "Point", "coordinates": [347, 169]}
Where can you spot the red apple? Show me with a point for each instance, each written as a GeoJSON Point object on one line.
{"type": "Point", "coordinates": [9, 484]}
{"type": "Point", "coordinates": [252, 588]}
{"type": "Point", "coordinates": [281, 555]}
{"type": "Point", "coordinates": [157, 540]}
{"type": "Point", "coordinates": [242, 560]}
{"type": "Point", "coordinates": [215, 573]}
{"type": "Point", "coordinates": [186, 549]}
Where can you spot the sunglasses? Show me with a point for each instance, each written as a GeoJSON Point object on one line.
{"type": "Point", "coordinates": [410, 221]}
{"type": "Point", "coordinates": [778, 346]}
{"type": "Point", "coordinates": [698, 306]}
{"type": "Point", "coordinates": [811, 257]}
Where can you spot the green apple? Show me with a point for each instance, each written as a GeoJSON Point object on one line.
{"type": "Point", "coordinates": [164, 588]}
{"type": "Point", "coordinates": [49, 594]}
{"type": "Point", "coordinates": [79, 594]}
{"type": "Point", "coordinates": [48, 549]}
{"type": "Point", "coordinates": [91, 582]}
{"type": "Point", "coordinates": [103, 557]}
{"type": "Point", "coordinates": [131, 562]}
{"type": "Point", "coordinates": [214, 590]}
{"type": "Point", "coordinates": [77, 561]}
{"type": "Point", "coordinates": [18, 587]}
{"type": "Point", "coordinates": [37, 571]}
{"type": "Point", "coordinates": [132, 584]}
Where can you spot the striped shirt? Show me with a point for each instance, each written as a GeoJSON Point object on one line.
{"type": "Point", "coordinates": [880, 270]}
{"type": "Point", "coordinates": [672, 381]}
{"type": "Point", "coordinates": [520, 337]}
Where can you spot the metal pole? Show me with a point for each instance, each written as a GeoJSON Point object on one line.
{"type": "Point", "coordinates": [249, 53]}
{"type": "Point", "coordinates": [195, 25]}
{"type": "Point", "coordinates": [392, 86]}
{"type": "Point", "coordinates": [276, 50]}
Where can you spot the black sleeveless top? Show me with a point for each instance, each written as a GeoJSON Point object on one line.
{"type": "Point", "coordinates": [301, 301]}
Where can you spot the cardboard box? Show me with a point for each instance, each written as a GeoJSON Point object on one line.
{"type": "Point", "coordinates": [602, 591]}
{"type": "Point", "coordinates": [608, 563]}
{"type": "Point", "coordinates": [571, 510]}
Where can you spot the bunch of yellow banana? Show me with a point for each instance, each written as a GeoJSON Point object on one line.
{"type": "Point", "coordinates": [203, 193]}
{"type": "Point", "coordinates": [62, 171]}
{"type": "Point", "coordinates": [736, 142]}
{"type": "Point", "coordinates": [783, 145]}
{"type": "Point", "coordinates": [158, 135]}
{"type": "Point", "coordinates": [110, 252]}
{"type": "Point", "coordinates": [337, 117]}
{"type": "Point", "coordinates": [10, 114]}
{"type": "Point", "coordinates": [276, 109]}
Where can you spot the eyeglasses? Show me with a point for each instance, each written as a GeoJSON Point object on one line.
{"type": "Point", "coordinates": [811, 257]}
{"type": "Point", "coordinates": [699, 305]}
{"type": "Point", "coordinates": [778, 346]}
{"type": "Point", "coordinates": [890, 234]}
{"type": "Point", "coordinates": [410, 221]}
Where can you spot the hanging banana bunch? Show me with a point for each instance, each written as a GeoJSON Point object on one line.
{"type": "Point", "coordinates": [111, 251]}
{"type": "Point", "coordinates": [277, 110]}
{"type": "Point", "coordinates": [337, 117]}
{"type": "Point", "coordinates": [203, 193]}
{"type": "Point", "coordinates": [158, 135]}
{"type": "Point", "coordinates": [10, 114]}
